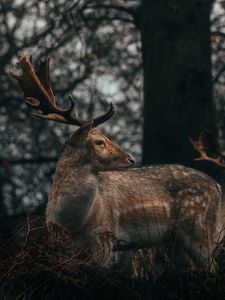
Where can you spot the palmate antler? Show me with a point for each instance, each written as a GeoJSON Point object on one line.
{"type": "Point", "coordinates": [36, 86]}
{"type": "Point", "coordinates": [199, 146]}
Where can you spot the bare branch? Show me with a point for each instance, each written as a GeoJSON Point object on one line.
{"type": "Point", "coordinates": [218, 75]}
{"type": "Point", "coordinates": [115, 7]}
{"type": "Point", "coordinates": [7, 162]}
{"type": "Point", "coordinates": [218, 33]}
{"type": "Point", "coordinates": [199, 146]}
{"type": "Point", "coordinates": [106, 18]}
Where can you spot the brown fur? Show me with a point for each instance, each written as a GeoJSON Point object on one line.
{"type": "Point", "coordinates": [143, 207]}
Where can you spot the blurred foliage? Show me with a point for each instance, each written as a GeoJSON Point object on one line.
{"type": "Point", "coordinates": [96, 56]}
{"type": "Point", "coordinates": [86, 45]}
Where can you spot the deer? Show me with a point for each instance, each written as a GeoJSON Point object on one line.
{"type": "Point", "coordinates": [97, 192]}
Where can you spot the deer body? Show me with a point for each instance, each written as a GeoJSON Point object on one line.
{"type": "Point", "coordinates": [144, 207]}
{"type": "Point", "coordinates": [141, 207]}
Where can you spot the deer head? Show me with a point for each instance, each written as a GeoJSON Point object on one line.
{"type": "Point", "coordinates": [87, 144]}
{"type": "Point", "coordinates": [95, 149]}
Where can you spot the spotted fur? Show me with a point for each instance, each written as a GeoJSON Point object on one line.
{"type": "Point", "coordinates": [142, 207]}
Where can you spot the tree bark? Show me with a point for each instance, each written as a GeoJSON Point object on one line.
{"type": "Point", "coordinates": [176, 51]}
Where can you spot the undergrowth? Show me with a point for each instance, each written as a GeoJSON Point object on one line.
{"type": "Point", "coordinates": [41, 263]}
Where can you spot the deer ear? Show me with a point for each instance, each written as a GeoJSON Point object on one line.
{"type": "Point", "coordinates": [81, 134]}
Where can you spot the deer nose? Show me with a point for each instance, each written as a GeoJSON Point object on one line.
{"type": "Point", "coordinates": [130, 159]}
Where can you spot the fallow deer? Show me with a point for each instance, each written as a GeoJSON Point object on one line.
{"type": "Point", "coordinates": [93, 193]}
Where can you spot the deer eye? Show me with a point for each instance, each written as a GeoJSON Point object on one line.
{"type": "Point", "coordinates": [99, 142]}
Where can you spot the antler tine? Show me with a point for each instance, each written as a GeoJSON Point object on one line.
{"type": "Point", "coordinates": [102, 119]}
{"type": "Point", "coordinates": [200, 148]}
{"type": "Point", "coordinates": [36, 86]}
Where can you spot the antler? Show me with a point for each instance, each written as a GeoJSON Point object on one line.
{"type": "Point", "coordinates": [200, 148]}
{"type": "Point", "coordinates": [36, 86]}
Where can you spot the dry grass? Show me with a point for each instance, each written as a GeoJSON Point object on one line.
{"type": "Point", "coordinates": [45, 264]}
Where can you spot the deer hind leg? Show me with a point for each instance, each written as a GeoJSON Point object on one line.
{"type": "Point", "coordinates": [171, 254]}
{"type": "Point", "coordinates": [155, 260]}
{"type": "Point", "coordinates": [123, 261]}
{"type": "Point", "coordinates": [200, 252]}
{"type": "Point", "coordinates": [175, 256]}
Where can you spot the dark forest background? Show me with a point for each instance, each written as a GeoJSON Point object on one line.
{"type": "Point", "coordinates": [162, 63]}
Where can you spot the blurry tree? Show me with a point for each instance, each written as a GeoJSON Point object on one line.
{"type": "Point", "coordinates": [96, 50]}
{"type": "Point", "coordinates": [177, 77]}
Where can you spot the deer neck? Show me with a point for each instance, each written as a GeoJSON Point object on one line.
{"type": "Point", "coordinates": [73, 194]}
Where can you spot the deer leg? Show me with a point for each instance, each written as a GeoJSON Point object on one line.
{"type": "Point", "coordinates": [200, 253]}
{"type": "Point", "coordinates": [176, 254]}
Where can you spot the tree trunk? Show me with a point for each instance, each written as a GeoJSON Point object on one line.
{"type": "Point", "coordinates": [177, 77]}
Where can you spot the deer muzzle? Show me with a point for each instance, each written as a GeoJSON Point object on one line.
{"type": "Point", "coordinates": [130, 160]}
